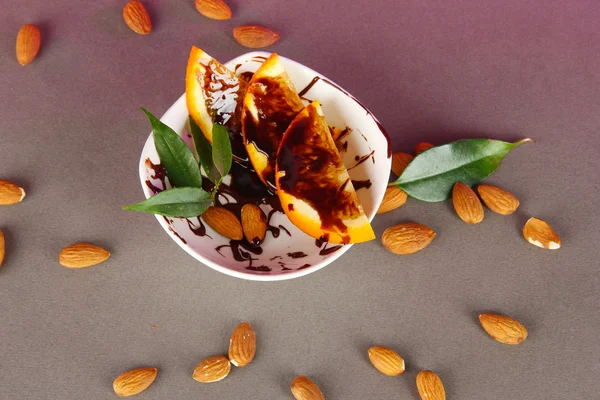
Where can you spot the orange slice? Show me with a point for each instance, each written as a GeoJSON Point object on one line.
{"type": "Point", "coordinates": [214, 94]}
{"type": "Point", "coordinates": [270, 105]}
{"type": "Point", "coordinates": [313, 184]}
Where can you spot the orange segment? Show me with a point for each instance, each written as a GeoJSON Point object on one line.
{"type": "Point", "coordinates": [214, 94]}
{"type": "Point", "coordinates": [270, 104]}
{"type": "Point", "coordinates": [313, 184]}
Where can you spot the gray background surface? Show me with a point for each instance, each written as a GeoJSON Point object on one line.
{"type": "Point", "coordinates": [71, 134]}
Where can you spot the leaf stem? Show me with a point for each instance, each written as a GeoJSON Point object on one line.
{"type": "Point", "coordinates": [213, 193]}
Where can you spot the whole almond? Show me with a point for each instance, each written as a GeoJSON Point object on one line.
{"type": "Point", "coordinates": [224, 222]}
{"type": "Point", "coordinates": [393, 198]}
{"type": "Point", "coordinates": [255, 36]}
{"type": "Point", "coordinates": [467, 204]}
{"type": "Point", "coordinates": [305, 389]}
{"type": "Point", "coordinates": [242, 345]}
{"type": "Point", "coordinates": [407, 238]}
{"type": "Point", "coordinates": [10, 193]}
{"type": "Point", "coordinates": [386, 360]}
{"type": "Point", "coordinates": [214, 9]}
{"type": "Point", "coordinates": [134, 381]}
{"type": "Point", "coordinates": [400, 161]}
{"type": "Point", "coordinates": [2, 247]}
{"type": "Point", "coordinates": [539, 233]}
{"type": "Point", "coordinates": [430, 386]}
{"type": "Point", "coordinates": [81, 255]}
{"type": "Point", "coordinates": [498, 200]}
{"type": "Point", "coordinates": [213, 369]}
{"type": "Point", "coordinates": [137, 18]}
{"type": "Point", "coordinates": [29, 40]}
{"type": "Point", "coordinates": [254, 223]}
{"type": "Point", "coordinates": [421, 147]}
{"type": "Point", "coordinates": [502, 328]}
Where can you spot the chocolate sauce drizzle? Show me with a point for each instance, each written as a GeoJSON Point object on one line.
{"type": "Point", "coordinates": [361, 184]}
{"type": "Point", "coordinates": [325, 251]}
{"type": "Point", "coordinates": [361, 159]}
{"type": "Point", "coordinates": [296, 254]}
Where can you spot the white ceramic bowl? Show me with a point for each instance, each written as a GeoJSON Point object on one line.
{"type": "Point", "coordinates": [280, 256]}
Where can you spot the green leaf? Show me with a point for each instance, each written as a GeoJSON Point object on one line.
{"type": "Point", "coordinates": [177, 158]}
{"type": "Point", "coordinates": [433, 173]}
{"type": "Point", "coordinates": [177, 202]}
{"type": "Point", "coordinates": [204, 150]}
{"type": "Point", "coordinates": [221, 152]}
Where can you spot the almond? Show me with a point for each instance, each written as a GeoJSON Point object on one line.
{"type": "Point", "coordinates": [224, 222]}
{"type": "Point", "coordinates": [213, 369]}
{"type": "Point", "coordinates": [10, 193]}
{"type": "Point", "coordinates": [255, 36]}
{"type": "Point", "coordinates": [539, 233]}
{"type": "Point", "coordinates": [421, 147]}
{"type": "Point", "coordinates": [137, 18]}
{"type": "Point", "coordinates": [29, 40]}
{"type": "Point", "coordinates": [2, 248]}
{"type": "Point", "coordinates": [134, 381]}
{"type": "Point", "coordinates": [502, 328]}
{"type": "Point", "coordinates": [386, 360]}
{"type": "Point", "coordinates": [80, 255]}
{"type": "Point", "coordinates": [393, 198]}
{"type": "Point", "coordinates": [407, 238]}
{"type": "Point", "coordinates": [242, 345]}
{"type": "Point", "coordinates": [254, 223]}
{"type": "Point", "coordinates": [214, 9]}
{"type": "Point", "coordinates": [305, 389]}
{"type": "Point", "coordinates": [467, 204]}
{"type": "Point", "coordinates": [498, 200]}
{"type": "Point", "coordinates": [430, 386]}
{"type": "Point", "coordinates": [400, 161]}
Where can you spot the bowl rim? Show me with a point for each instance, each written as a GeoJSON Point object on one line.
{"type": "Point", "coordinates": [199, 257]}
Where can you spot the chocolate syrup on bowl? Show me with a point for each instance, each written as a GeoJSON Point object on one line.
{"type": "Point", "coordinates": [157, 171]}
{"type": "Point", "coordinates": [296, 254]}
{"type": "Point", "coordinates": [361, 184]}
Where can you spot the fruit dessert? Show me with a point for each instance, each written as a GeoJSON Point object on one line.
{"type": "Point", "coordinates": [263, 151]}
{"type": "Point", "coordinates": [313, 184]}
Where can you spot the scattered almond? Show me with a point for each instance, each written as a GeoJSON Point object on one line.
{"type": "Point", "coordinates": [421, 147]}
{"type": "Point", "coordinates": [386, 360]}
{"type": "Point", "coordinates": [29, 40]}
{"type": "Point", "coordinates": [137, 18]}
{"type": "Point", "coordinates": [467, 204]}
{"type": "Point", "coordinates": [305, 389]}
{"type": "Point", "coordinates": [2, 247]}
{"type": "Point", "coordinates": [224, 222]}
{"type": "Point", "coordinates": [81, 255]}
{"type": "Point", "coordinates": [540, 234]}
{"type": "Point", "coordinates": [430, 386]}
{"type": "Point", "coordinates": [242, 345]}
{"type": "Point", "coordinates": [213, 369]}
{"type": "Point", "coordinates": [254, 223]}
{"type": "Point", "coordinates": [255, 36]}
{"type": "Point", "coordinates": [393, 198]}
{"type": "Point", "coordinates": [214, 9]}
{"type": "Point", "coordinates": [10, 193]}
{"type": "Point", "coordinates": [407, 238]}
{"type": "Point", "coordinates": [498, 200]}
{"type": "Point", "coordinates": [502, 328]}
{"type": "Point", "coordinates": [134, 381]}
{"type": "Point", "coordinates": [400, 161]}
